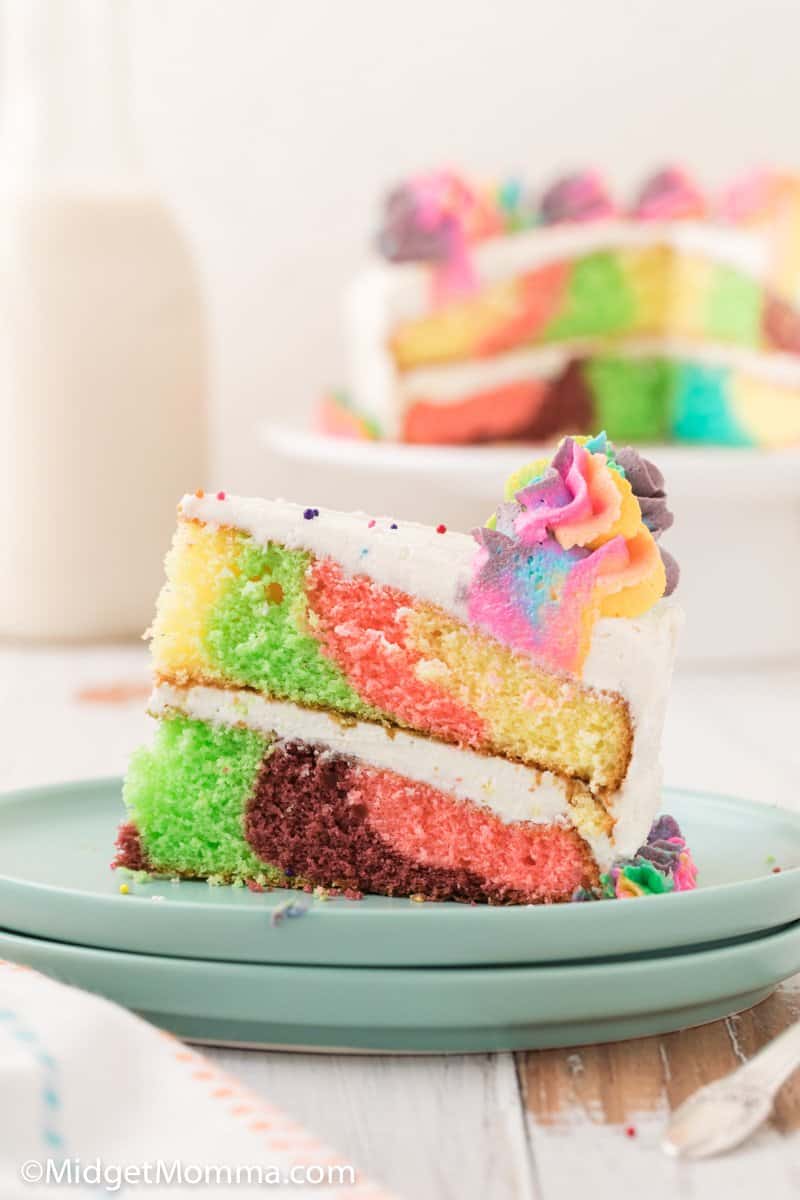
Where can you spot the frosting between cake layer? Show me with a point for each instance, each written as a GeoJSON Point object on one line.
{"type": "Point", "coordinates": [446, 383]}
{"type": "Point", "coordinates": [403, 290]}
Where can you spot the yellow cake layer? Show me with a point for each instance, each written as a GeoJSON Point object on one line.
{"type": "Point", "coordinates": [235, 613]}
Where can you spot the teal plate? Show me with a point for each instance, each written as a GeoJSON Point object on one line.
{"type": "Point", "coordinates": [55, 883]}
{"type": "Point", "coordinates": [456, 1009]}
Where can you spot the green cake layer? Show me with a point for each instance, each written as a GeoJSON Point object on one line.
{"type": "Point", "coordinates": [187, 794]}
{"type": "Point", "coordinates": [266, 647]}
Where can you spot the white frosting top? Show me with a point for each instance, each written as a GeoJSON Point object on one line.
{"type": "Point", "coordinates": [436, 567]}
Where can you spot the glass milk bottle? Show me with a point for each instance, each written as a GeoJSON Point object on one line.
{"type": "Point", "coordinates": [102, 345]}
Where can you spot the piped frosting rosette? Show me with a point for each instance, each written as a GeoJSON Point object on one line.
{"type": "Point", "coordinates": [663, 864]}
{"type": "Point", "coordinates": [434, 218]}
{"type": "Point", "coordinates": [568, 546]}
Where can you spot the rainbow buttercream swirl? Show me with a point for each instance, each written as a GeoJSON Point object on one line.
{"type": "Point", "coordinates": [663, 864]}
{"type": "Point", "coordinates": [569, 548]}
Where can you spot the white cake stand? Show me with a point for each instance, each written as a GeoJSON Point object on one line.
{"type": "Point", "coordinates": [736, 532]}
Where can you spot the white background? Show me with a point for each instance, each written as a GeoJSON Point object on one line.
{"type": "Point", "coordinates": [274, 127]}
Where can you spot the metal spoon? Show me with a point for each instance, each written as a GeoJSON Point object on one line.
{"type": "Point", "coordinates": [722, 1114]}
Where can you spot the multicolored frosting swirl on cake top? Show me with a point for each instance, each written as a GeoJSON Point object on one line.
{"type": "Point", "coordinates": [579, 197]}
{"type": "Point", "coordinates": [569, 546]}
{"type": "Point", "coordinates": [430, 217]}
{"type": "Point", "coordinates": [434, 218]}
{"type": "Point", "coordinates": [671, 195]}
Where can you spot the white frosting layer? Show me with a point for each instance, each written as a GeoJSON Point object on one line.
{"type": "Point", "coordinates": [512, 791]}
{"type": "Point", "coordinates": [632, 657]}
{"type": "Point", "coordinates": [453, 381]}
{"type": "Point", "coordinates": [372, 373]}
{"type": "Point", "coordinates": [772, 366]}
{"type": "Point", "coordinates": [745, 249]}
{"type": "Point", "coordinates": [373, 378]}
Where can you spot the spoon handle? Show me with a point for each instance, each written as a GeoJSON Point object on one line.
{"type": "Point", "coordinates": [771, 1067]}
{"type": "Point", "coordinates": [722, 1114]}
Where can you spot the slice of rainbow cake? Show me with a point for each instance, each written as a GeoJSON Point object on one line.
{"type": "Point", "coordinates": [378, 706]}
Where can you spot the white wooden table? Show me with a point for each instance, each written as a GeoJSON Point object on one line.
{"type": "Point", "coordinates": [551, 1124]}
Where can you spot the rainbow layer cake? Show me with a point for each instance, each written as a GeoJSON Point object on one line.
{"type": "Point", "coordinates": [368, 704]}
{"type": "Point", "coordinates": [488, 315]}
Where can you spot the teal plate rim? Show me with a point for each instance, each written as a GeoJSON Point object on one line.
{"type": "Point", "coordinates": [435, 1009]}
{"type": "Point", "coordinates": [47, 833]}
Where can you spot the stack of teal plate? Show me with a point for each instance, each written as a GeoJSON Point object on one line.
{"type": "Point", "coordinates": [285, 969]}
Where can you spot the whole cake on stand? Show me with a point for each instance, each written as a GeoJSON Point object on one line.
{"type": "Point", "coordinates": [490, 316]}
